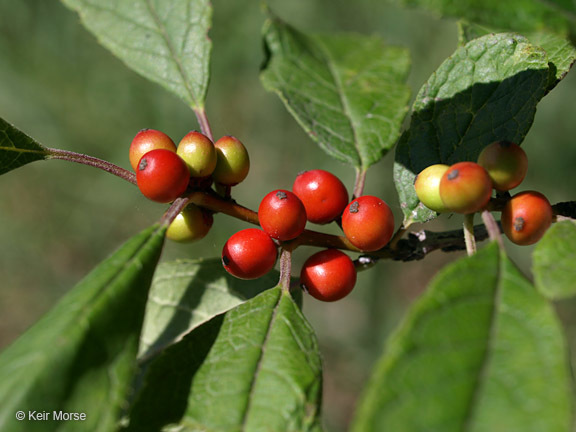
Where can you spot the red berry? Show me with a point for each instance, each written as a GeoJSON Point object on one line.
{"type": "Point", "coordinates": [328, 275]}
{"type": "Point", "coordinates": [249, 254]}
{"type": "Point", "coordinates": [368, 223]}
{"type": "Point", "coordinates": [465, 188]}
{"type": "Point", "coordinates": [147, 140]}
{"type": "Point", "coordinates": [526, 217]}
{"type": "Point", "coordinates": [323, 194]}
{"type": "Point", "coordinates": [282, 215]}
{"type": "Point", "coordinates": [506, 164]}
{"type": "Point", "coordinates": [162, 175]}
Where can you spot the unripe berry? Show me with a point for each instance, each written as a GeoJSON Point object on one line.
{"type": "Point", "coordinates": [506, 164]}
{"type": "Point", "coordinates": [526, 217]}
{"type": "Point", "coordinates": [199, 153]}
{"type": "Point", "coordinates": [427, 186]}
{"type": "Point", "coordinates": [323, 194]}
{"type": "Point", "coordinates": [328, 275]}
{"type": "Point", "coordinates": [282, 215]}
{"type": "Point", "coordinates": [368, 223]}
{"type": "Point", "coordinates": [147, 140]}
{"type": "Point", "coordinates": [190, 225]}
{"type": "Point", "coordinates": [233, 162]}
{"type": "Point", "coordinates": [465, 188]}
{"type": "Point", "coordinates": [249, 254]}
{"type": "Point", "coordinates": [162, 175]}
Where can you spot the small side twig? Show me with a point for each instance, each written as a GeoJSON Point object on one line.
{"type": "Point", "coordinates": [492, 227]}
{"type": "Point", "coordinates": [469, 238]}
{"type": "Point", "coordinates": [285, 268]}
{"type": "Point", "coordinates": [93, 162]}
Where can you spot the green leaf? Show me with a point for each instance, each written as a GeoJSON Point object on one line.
{"type": "Point", "coordinates": [561, 53]}
{"type": "Point", "coordinates": [486, 91]}
{"type": "Point", "coordinates": [553, 261]}
{"type": "Point", "coordinates": [255, 368]}
{"type": "Point", "coordinates": [17, 148]}
{"type": "Point", "coordinates": [83, 352]}
{"type": "Point", "coordinates": [186, 294]}
{"type": "Point", "coordinates": [348, 91]}
{"type": "Point", "coordinates": [519, 15]}
{"type": "Point", "coordinates": [481, 350]}
{"type": "Point", "coordinates": [164, 41]}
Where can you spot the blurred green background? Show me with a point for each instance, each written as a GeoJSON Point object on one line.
{"type": "Point", "coordinates": [58, 220]}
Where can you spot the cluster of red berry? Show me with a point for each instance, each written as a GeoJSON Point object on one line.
{"type": "Point", "coordinates": [466, 187]}
{"type": "Point", "coordinates": [319, 197]}
{"type": "Point", "coordinates": [164, 172]}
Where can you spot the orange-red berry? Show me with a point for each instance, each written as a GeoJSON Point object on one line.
{"type": "Point", "coordinates": [526, 217]}
{"type": "Point", "coordinates": [282, 215]}
{"type": "Point", "coordinates": [328, 275]}
{"type": "Point", "coordinates": [506, 164]}
{"type": "Point", "coordinates": [162, 175]}
{"type": "Point", "coordinates": [368, 223]}
{"type": "Point", "coordinates": [249, 254]}
{"type": "Point", "coordinates": [465, 188]}
{"type": "Point", "coordinates": [147, 140]}
{"type": "Point", "coordinates": [323, 194]}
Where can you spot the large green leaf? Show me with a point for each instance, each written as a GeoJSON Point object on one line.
{"type": "Point", "coordinates": [165, 41]}
{"type": "Point", "coordinates": [187, 293]}
{"type": "Point", "coordinates": [554, 261]}
{"type": "Point", "coordinates": [348, 92]}
{"type": "Point", "coordinates": [482, 350]}
{"type": "Point", "coordinates": [519, 15]}
{"type": "Point", "coordinates": [486, 91]}
{"type": "Point", "coordinates": [17, 148]}
{"type": "Point", "coordinates": [255, 368]}
{"type": "Point", "coordinates": [81, 356]}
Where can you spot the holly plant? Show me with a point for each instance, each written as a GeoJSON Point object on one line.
{"type": "Point", "coordinates": [229, 348]}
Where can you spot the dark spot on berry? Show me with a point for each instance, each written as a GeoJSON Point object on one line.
{"type": "Point", "coordinates": [281, 195]}
{"type": "Point", "coordinates": [301, 172]}
{"type": "Point", "coordinates": [143, 164]}
{"type": "Point", "coordinates": [225, 260]}
{"type": "Point", "coordinates": [453, 174]}
{"type": "Point", "coordinates": [519, 223]}
{"type": "Point", "coordinates": [354, 207]}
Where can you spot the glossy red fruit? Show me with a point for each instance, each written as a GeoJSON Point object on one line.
{"type": "Point", "coordinates": [232, 162]}
{"type": "Point", "coordinates": [147, 140]}
{"type": "Point", "coordinates": [162, 175]}
{"type": "Point", "coordinates": [323, 194]}
{"type": "Point", "coordinates": [249, 254]}
{"type": "Point", "coordinates": [192, 224]}
{"type": "Point", "coordinates": [465, 188]}
{"type": "Point", "coordinates": [526, 217]}
{"type": "Point", "coordinates": [328, 275]}
{"type": "Point", "coordinates": [199, 153]}
{"type": "Point", "coordinates": [506, 164]}
{"type": "Point", "coordinates": [282, 215]}
{"type": "Point", "coordinates": [368, 223]}
{"type": "Point", "coordinates": [427, 187]}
